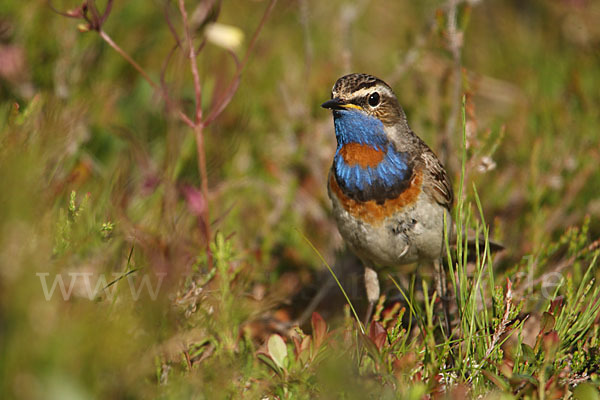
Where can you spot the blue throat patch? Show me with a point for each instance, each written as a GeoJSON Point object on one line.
{"type": "Point", "coordinates": [386, 180]}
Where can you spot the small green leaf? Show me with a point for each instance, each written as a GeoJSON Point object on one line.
{"type": "Point", "coordinates": [586, 391]}
{"type": "Point", "coordinates": [496, 380]}
{"type": "Point", "coordinates": [528, 353]}
{"type": "Point", "coordinates": [265, 358]}
{"type": "Point", "coordinates": [277, 350]}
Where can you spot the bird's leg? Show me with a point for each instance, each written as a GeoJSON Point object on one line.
{"type": "Point", "coordinates": [440, 280]}
{"type": "Point", "coordinates": [373, 291]}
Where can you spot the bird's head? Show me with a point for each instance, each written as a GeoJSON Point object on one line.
{"type": "Point", "coordinates": [362, 95]}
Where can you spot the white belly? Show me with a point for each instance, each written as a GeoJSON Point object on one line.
{"type": "Point", "coordinates": [413, 234]}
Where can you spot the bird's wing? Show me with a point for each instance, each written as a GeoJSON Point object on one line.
{"type": "Point", "coordinates": [439, 186]}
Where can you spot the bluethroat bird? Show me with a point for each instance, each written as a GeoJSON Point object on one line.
{"type": "Point", "coordinates": [391, 195]}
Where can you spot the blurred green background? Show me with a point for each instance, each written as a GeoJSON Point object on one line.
{"type": "Point", "coordinates": [76, 118]}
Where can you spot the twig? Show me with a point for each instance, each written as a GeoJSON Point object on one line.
{"type": "Point", "coordinates": [262, 22]}
{"type": "Point", "coordinates": [163, 70]}
{"type": "Point", "coordinates": [95, 23]}
{"type": "Point", "coordinates": [186, 353]}
{"type": "Point", "coordinates": [201, 46]}
{"type": "Point", "coordinates": [88, 12]}
{"type": "Point", "coordinates": [107, 11]}
{"type": "Point", "coordinates": [170, 25]}
{"type": "Point", "coordinates": [144, 75]}
{"type": "Point", "coordinates": [234, 83]}
{"type": "Point", "coordinates": [91, 6]}
{"type": "Point", "coordinates": [193, 62]}
{"type": "Point", "coordinates": [198, 123]}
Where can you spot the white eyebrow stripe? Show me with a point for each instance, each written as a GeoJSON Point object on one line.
{"type": "Point", "coordinates": [365, 91]}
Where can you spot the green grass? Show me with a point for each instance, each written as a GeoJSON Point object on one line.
{"type": "Point", "coordinates": [101, 186]}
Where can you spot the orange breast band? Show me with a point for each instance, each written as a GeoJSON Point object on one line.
{"type": "Point", "coordinates": [361, 154]}
{"type": "Point", "coordinates": [372, 212]}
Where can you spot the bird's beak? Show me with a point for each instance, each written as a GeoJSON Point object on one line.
{"type": "Point", "coordinates": [333, 104]}
{"type": "Point", "coordinates": [337, 104]}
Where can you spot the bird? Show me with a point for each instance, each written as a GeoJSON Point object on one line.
{"type": "Point", "coordinates": [391, 196]}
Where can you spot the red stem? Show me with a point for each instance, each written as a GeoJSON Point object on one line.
{"type": "Point", "coordinates": [198, 125]}
{"type": "Point", "coordinates": [193, 61]}
{"type": "Point", "coordinates": [144, 75]}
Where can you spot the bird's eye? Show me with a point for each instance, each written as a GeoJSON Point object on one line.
{"type": "Point", "coordinates": [373, 99]}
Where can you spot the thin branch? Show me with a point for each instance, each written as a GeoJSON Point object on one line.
{"type": "Point", "coordinates": [198, 125]}
{"type": "Point", "coordinates": [107, 11]}
{"type": "Point", "coordinates": [170, 25]}
{"type": "Point", "coordinates": [143, 73]}
{"type": "Point", "coordinates": [127, 58]}
{"type": "Point", "coordinates": [261, 24]}
{"type": "Point", "coordinates": [235, 58]}
{"type": "Point", "coordinates": [201, 46]}
{"type": "Point", "coordinates": [76, 13]}
{"type": "Point", "coordinates": [193, 62]}
{"type": "Point", "coordinates": [200, 149]}
{"type": "Point", "coordinates": [96, 22]}
{"type": "Point", "coordinates": [163, 70]}
{"type": "Point", "coordinates": [235, 81]}
{"type": "Point", "coordinates": [224, 100]}
{"type": "Point", "coordinates": [219, 102]}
